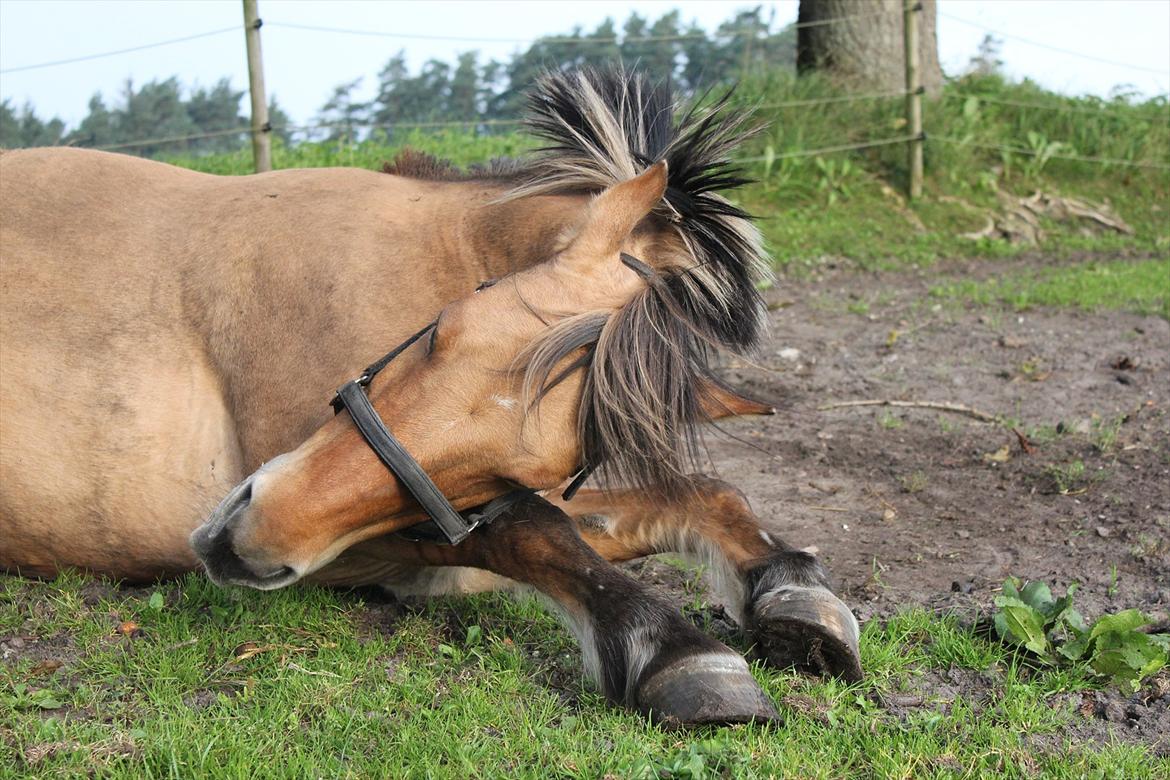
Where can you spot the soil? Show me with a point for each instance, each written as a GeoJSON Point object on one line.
{"type": "Point", "coordinates": [910, 506]}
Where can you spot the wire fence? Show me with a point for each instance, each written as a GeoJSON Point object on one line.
{"type": "Point", "coordinates": [1051, 154]}
{"type": "Point", "coordinates": [1093, 111]}
{"type": "Point", "coordinates": [479, 123]}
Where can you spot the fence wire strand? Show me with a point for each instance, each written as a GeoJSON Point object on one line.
{"type": "Point", "coordinates": [1101, 111]}
{"type": "Point", "coordinates": [609, 39]}
{"type": "Point", "coordinates": [832, 149]}
{"type": "Point", "coordinates": [87, 57]}
{"type": "Point", "coordinates": [304, 128]}
{"type": "Point", "coordinates": [1038, 44]}
{"type": "Point", "coordinates": [839, 99]}
{"type": "Point", "coordinates": [1054, 155]}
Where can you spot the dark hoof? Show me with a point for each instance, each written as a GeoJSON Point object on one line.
{"type": "Point", "coordinates": [705, 689]}
{"type": "Point", "coordinates": [807, 628]}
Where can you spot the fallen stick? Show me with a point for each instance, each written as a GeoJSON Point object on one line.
{"type": "Point", "coordinates": [936, 405]}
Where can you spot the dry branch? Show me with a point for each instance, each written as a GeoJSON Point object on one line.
{"type": "Point", "coordinates": [936, 405]}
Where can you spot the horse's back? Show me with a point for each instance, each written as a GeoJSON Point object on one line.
{"type": "Point", "coordinates": [114, 436]}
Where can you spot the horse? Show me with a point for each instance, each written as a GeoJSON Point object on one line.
{"type": "Point", "coordinates": [171, 340]}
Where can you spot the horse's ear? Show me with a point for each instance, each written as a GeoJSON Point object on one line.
{"type": "Point", "coordinates": [719, 401]}
{"type": "Point", "coordinates": [614, 213]}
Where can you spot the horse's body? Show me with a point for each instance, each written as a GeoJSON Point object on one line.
{"type": "Point", "coordinates": [144, 372]}
{"type": "Point", "coordinates": [166, 335]}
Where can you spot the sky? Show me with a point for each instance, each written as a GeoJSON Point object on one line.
{"type": "Point", "coordinates": [1072, 46]}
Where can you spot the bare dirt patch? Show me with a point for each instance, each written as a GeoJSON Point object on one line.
{"type": "Point", "coordinates": [923, 507]}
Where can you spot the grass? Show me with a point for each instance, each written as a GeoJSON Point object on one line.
{"type": "Point", "coordinates": [1141, 286]}
{"type": "Point", "coordinates": [310, 683]}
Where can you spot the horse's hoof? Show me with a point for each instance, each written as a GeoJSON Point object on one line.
{"type": "Point", "coordinates": [807, 628]}
{"type": "Point", "coordinates": [705, 689]}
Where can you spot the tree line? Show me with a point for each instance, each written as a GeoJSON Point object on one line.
{"type": "Point", "coordinates": [468, 90]}
{"type": "Point", "coordinates": [156, 110]}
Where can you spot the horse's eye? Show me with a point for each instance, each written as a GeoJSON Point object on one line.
{"type": "Point", "coordinates": [431, 340]}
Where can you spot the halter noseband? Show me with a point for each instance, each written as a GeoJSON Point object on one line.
{"type": "Point", "coordinates": [453, 525]}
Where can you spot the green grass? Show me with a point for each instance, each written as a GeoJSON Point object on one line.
{"type": "Point", "coordinates": [324, 693]}
{"type": "Point", "coordinates": [1141, 286]}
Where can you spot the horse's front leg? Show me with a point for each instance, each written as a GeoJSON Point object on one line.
{"type": "Point", "coordinates": [780, 594]}
{"type": "Point", "coordinates": [639, 649]}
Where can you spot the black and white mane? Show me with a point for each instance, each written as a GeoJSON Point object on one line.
{"type": "Point", "coordinates": [646, 363]}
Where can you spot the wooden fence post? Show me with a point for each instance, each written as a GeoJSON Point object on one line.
{"type": "Point", "coordinates": [261, 129]}
{"type": "Point", "coordinates": [913, 95]}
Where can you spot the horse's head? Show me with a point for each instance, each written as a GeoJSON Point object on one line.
{"type": "Point", "coordinates": [595, 357]}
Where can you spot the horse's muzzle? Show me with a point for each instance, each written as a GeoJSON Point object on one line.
{"type": "Point", "coordinates": [213, 543]}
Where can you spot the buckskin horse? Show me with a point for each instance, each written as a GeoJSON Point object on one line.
{"type": "Point", "coordinates": [167, 335]}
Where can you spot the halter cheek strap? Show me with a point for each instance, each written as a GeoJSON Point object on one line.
{"type": "Point", "coordinates": [352, 396]}
{"type": "Point", "coordinates": [453, 526]}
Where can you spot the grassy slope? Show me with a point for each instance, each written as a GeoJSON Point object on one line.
{"type": "Point", "coordinates": [297, 683]}
{"type": "Point", "coordinates": [325, 694]}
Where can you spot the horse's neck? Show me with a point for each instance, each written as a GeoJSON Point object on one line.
{"type": "Point", "coordinates": [518, 234]}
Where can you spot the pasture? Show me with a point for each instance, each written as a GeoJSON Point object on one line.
{"type": "Point", "coordinates": [920, 514]}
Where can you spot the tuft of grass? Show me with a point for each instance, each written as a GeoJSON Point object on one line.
{"type": "Point", "coordinates": [1069, 477]}
{"type": "Point", "coordinates": [915, 482]}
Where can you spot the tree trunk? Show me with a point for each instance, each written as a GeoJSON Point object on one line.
{"type": "Point", "coordinates": [866, 50]}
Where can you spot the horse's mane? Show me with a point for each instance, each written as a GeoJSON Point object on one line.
{"type": "Point", "coordinates": [415, 164]}
{"type": "Point", "coordinates": [646, 364]}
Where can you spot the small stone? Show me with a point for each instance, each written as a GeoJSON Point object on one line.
{"type": "Point", "coordinates": [889, 515]}
{"type": "Point", "coordinates": [789, 353]}
{"type": "Point", "coordinates": [1102, 531]}
{"type": "Point", "coordinates": [964, 534]}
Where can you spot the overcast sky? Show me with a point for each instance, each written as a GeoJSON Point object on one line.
{"type": "Point", "coordinates": [1122, 42]}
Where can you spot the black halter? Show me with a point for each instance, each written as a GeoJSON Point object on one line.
{"type": "Point", "coordinates": [454, 526]}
